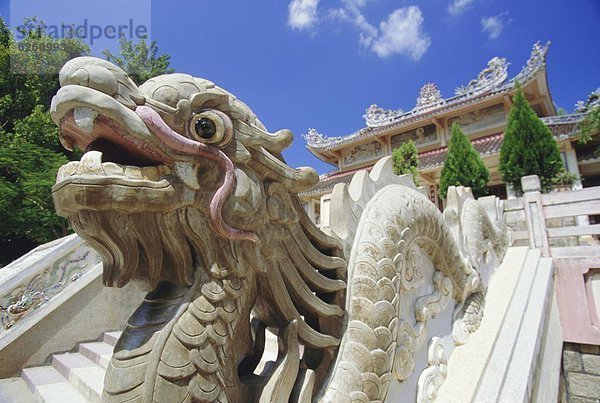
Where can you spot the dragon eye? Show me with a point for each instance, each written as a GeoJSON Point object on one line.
{"type": "Point", "coordinates": [211, 126]}
{"type": "Point", "coordinates": [205, 128]}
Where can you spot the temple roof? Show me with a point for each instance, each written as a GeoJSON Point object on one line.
{"type": "Point", "coordinates": [562, 127]}
{"type": "Point", "coordinates": [491, 81]}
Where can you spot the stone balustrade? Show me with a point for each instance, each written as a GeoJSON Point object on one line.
{"type": "Point", "coordinates": [32, 281]}
{"type": "Point", "coordinates": [46, 296]}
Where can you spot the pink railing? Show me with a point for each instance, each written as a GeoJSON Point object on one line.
{"type": "Point", "coordinates": [577, 263]}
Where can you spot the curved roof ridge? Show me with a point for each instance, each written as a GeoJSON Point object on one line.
{"type": "Point", "coordinates": [490, 81]}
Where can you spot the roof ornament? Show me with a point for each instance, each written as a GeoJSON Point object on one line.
{"type": "Point", "coordinates": [375, 116]}
{"type": "Point", "coordinates": [429, 97]}
{"type": "Point", "coordinates": [314, 138]}
{"type": "Point", "coordinates": [536, 60]}
{"type": "Point", "coordinates": [593, 100]}
{"type": "Point", "coordinates": [492, 76]}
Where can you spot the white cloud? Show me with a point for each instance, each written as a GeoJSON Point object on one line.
{"type": "Point", "coordinates": [494, 25]}
{"type": "Point", "coordinates": [457, 7]}
{"type": "Point", "coordinates": [351, 13]}
{"type": "Point", "coordinates": [402, 33]}
{"type": "Point", "coordinates": [302, 14]}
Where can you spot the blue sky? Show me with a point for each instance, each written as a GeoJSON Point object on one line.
{"type": "Point", "coordinates": [320, 63]}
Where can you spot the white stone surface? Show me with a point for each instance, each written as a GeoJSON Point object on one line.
{"type": "Point", "coordinates": [546, 385]}
{"type": "Point", "coordinates": [515, 354]}
{"type": "Point", "coordinates": [15, 390]}
{"type": "Point", "coordinates": [72, 377]}
{"type": "Point", "coordinates": [531, 183]}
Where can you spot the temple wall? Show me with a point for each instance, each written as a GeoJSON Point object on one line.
{"type": "Point", "coordinates": [580, 381]}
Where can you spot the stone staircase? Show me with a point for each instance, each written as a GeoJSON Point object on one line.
{"type": "Point", "coordinates": [72, 377]}
{"type": "Point", "coordinates": [79, 377]}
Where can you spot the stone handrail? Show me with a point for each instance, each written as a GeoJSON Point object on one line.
{"type": "Point", "coordinates": [30, 285]}
{"type": "Point", "coordinates": [540, 207]}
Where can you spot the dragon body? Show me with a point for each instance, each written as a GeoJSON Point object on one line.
{"type": "Point", "coordinates": [182, 188]}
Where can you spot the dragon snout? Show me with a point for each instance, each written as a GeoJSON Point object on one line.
{"type": "Point", "coordinates": [101, 76]}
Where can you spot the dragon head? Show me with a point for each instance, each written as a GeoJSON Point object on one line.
{"type": "Point", "coordinates": [156, 157]}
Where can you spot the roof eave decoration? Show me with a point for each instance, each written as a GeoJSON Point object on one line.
{"type": "Point", "coordinates": [492, 79]}
{"type": "Point", "coordinates": [314, 139]}
{"type": "Point", "coordinates": [492, 76]}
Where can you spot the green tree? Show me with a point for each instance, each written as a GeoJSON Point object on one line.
{"type": "Point", "coordinates": [30, 154]}
{"type": "Point", "coordinates": [463, 166]}
{"type": "Point", "coordinates": [406, 160]}
{"type": "Point", "coordinates": [29, 69]}
{"type": "Point", "coordinates": [529, 148]}
{"type": "Point", "coordinates": [27, 173]}
{"type": "Point", "coordinates": [589, 127]}
{"type": "Point", "coordinates": [139, 60]}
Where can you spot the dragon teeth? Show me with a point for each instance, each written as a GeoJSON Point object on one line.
{"type": "Point", "coordinates": [84, 118]}
{"type": "Point", "coordinates": [150, 173]}
{"type": "Point", "coordinates": [67, 170]}
{"type": "Point", "coordinates": [133, 172]}
{"type": "Point", "coordinates": [91, 163]}
{"type": "Point", "coordinates": [110, 168]}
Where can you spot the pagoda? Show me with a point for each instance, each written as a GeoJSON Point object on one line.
{"type": "Point", "coordinates": [481, 108]}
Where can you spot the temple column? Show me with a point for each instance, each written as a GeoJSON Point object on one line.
{"type": "Point", "coordinates": [572, 166]}
{"type": "Point", "coordinates": [309, 206]}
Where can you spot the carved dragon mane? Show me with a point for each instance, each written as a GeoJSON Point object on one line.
{"type": "Point", "coordinates": [182, 188]}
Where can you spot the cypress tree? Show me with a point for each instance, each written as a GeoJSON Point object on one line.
{"type": "Point", "coordinates": [406, 160]}
{"type": "Point", "coordinates": [463, 166]}
{"type": "Point", "coordinates": [529, 148]}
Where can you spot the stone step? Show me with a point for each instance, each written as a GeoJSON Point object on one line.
{"type": "Point", "coordinates": [15, 390]}
{"type": "Point", "coordinates": [83, 373]}
{"type": "Point", "coordinates": [111, 337]}
{"type": "Point", "coordinates": [99, 352]}
{"type": "Point", "coordinates": [48, 385]}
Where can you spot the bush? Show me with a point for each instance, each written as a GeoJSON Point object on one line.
{"type": "Point", "coordinates": [529, 148]}
{"type": "Point", "coordinates": [406, 160]}
{"type": "Point", "coordinates": [463, 166]}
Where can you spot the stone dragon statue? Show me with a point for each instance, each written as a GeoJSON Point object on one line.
{"type": "Point", "coordinates": [183, 189]}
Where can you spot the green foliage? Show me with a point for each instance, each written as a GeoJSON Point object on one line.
{"type": "Point", "coordinates": [140, 61]}
{"type": "Point", "coordinates": [565, 178]}
{"type": "Point", "coordinates": [463, 166]}
{"type": "Point", "coordinates": [29, 69]}
{"type": "Point", "coordinates": [589, 127]}
{"type": "Point", "coordinates": [529, 148]}
{"type": "Point", "coordinates": [27, 173]}
{"type": "Point", "coordinates": [30, 153]}
{"type": "Point", "coordinates": [406, 160]}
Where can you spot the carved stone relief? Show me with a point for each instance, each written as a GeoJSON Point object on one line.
{"type": "Point", "coordinates": [363, 152]}
{"type": "Point", "coordinates": [422, 136]}
{"type": "Point", "coordinates": [434, 375]}
{"type": "Point", "coordinates": [34, 292]}
{"type": "Point", "coordinates": [480, 120]}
